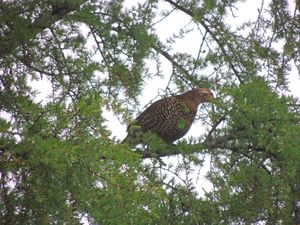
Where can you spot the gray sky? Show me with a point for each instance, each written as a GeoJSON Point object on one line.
{"type": "Point", "coordinates": [245, 11]}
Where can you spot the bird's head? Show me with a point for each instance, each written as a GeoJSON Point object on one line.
{"type": "Point", "coordinates": [198, 96]}
{"type": "Point", "coordinates": [204, 95]}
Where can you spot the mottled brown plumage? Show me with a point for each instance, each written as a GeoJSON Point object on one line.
{"type": "Point", "coordinates": [169, 118]}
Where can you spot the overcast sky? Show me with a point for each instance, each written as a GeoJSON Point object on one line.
{"type": "Point", "coordinates": [245, 11]}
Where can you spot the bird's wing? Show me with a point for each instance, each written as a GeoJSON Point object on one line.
{"type": "Point", "coordinates": [152, 116]}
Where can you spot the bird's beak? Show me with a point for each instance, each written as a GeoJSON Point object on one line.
{"type": "Point", "coordinates": [211, 97]}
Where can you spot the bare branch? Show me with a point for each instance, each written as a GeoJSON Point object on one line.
{"type": "Point", "coordinates": [217, 40]}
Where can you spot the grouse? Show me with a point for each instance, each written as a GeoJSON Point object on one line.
{"type": "Point", "coordinates": [169, 118]}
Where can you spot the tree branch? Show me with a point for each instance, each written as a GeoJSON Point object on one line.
{"type": "Point", "coordinates": [14, 37]}
{"type": "Point", "coordinates": [208, 30]}
{"type": "Point", "coordinates": [227, 142]}
{"type": "Point", "coordinates": [169, 150]}
{"type": "Point", "coordinates": [170, 58]}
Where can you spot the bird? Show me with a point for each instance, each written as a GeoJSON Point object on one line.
{"type": "Point", "coordinates": [169, 118]}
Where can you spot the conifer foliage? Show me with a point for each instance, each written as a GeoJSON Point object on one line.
{"type": "Point", "coordinates": [59, 163]}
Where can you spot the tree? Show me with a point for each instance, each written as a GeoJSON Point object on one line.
{"type": "Point", "coordinates": [58, 162]}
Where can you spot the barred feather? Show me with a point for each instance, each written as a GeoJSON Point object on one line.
{"type": "Point", "coordinates": [169, 118]}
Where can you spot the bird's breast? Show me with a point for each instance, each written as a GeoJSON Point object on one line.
{"type": "Point", "coordinates": [175, 123]}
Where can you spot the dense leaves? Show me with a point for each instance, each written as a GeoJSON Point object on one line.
{"type": "Point", "coordinates": [262, 169]}
{"type": "Point", "coordinates": [63, 64]}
